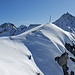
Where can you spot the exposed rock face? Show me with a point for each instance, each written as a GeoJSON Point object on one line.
{"type": "Point", "coordinates": [72, 59]}
{"type": "Point", "coordinates": [70, 48]}
{"type": "Point", "coordinates": [72, 73]}
{"type": "Point", "coordinates": [62, 61]}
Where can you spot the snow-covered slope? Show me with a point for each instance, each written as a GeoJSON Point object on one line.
{"type": "Point", "coordinates": [14, 58]}
{"type": "Point", "coordinates": [66, 22]}
{"type": "Point", "coordinates": [46, 42]}
{"type": "Point", "coordinates": [7, 29]}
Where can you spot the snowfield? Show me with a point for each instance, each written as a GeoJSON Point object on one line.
{"type": "Point", "coordinates": [14, 59]}
{"type": "Point", "coordinates": [44, 43]}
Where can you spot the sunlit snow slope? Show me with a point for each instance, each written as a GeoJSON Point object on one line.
{"type": "Point", "coordinates": [46, 42]}
{"type": "Point", "coordinates": [14, 58]}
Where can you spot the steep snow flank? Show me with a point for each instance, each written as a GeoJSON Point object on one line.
{"type": "Point", "coordinates": [56, 35]}
{"type": "Point", "coordinates": [45, 43]}
{"type": "Point", "coordinates": [66, 22]}
{"type": "Point", "coordinates": [14, 58]}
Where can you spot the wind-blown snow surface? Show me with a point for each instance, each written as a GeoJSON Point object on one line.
{"type": "Point", "coordinates": [45, 43]}
{"type": "Point", "coordinates": [14, 58]}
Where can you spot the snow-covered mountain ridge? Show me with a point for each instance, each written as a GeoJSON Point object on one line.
{"type": "Point", "coordinates": [66, 22]}
{"type": "Point", "coordinates": [43, 43]}
{"type": "Point", "coordinates": [46, 42]}
{"type": "Point", "coordinates": [9, 29]}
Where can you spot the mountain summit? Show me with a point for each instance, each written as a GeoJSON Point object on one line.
{"type": "Point", "coordinates": [66, 22]}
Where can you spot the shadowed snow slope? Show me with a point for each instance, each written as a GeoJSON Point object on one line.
{"type": "Point", "coordinates": [46, 42]}
{"type": "Point", "coordinates": [14, 58]}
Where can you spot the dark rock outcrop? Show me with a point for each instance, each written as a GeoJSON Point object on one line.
{"type": "Point", "coordinates": [62, 61]}
{"type": "Point", "coordinates": [70, 48]}
{"type": "Point", "coordinates": [72, 59]}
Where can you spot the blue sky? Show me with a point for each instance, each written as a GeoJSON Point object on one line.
{"type": "Point", "coordinates": [27, 12]}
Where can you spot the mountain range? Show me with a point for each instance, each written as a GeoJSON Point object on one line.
{"type": "Point", "coordinates": [46, 49]}
{"type": "Point", "coordinates": [66, 22]}
{"type": "Point", "coordinates": [9, 29]}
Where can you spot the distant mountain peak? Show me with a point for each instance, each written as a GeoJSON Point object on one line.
{"type": "Point", "coordinates": [22, 27]}
{"type": "Point", "coordinates": [67, 15]}
{"type": "Point", "coordinates": [66, 22]}
{"type": "Point", "coordinates": [7, 29]}
{"type": "Point", "coordinates": [8, 24]}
